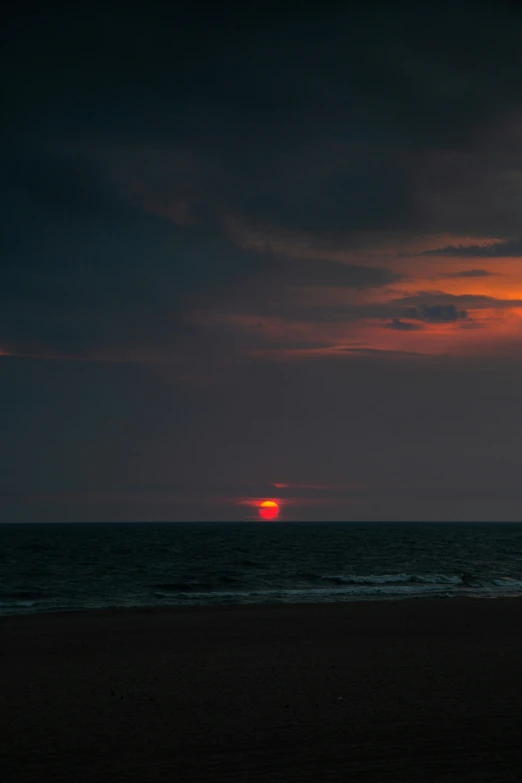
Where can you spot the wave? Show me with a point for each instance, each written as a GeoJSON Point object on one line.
{"type": "Point", "coordinates": [507, 581]}
{"type": "Point", "coordinates": [313, 595]}
{"type": "Point", "coordinates": [391, 579]}
{"type": "Point", "coordinates": [337, 584]}
{"type": "Point", "coordinates": [338, 587]}
{"type": "Point", "coordinates": [228, 589]}
{"type": "Point", "coordinates": [17, 604]}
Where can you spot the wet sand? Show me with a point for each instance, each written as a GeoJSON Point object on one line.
{"type": "Point", "coordinates": [426, 690]}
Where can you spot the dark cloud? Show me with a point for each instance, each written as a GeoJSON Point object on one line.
{"type": "Point", "coordinates": [436, 313]}
{"type": "Point", "coordinates": [424, 306]}
{"type": "Point", "coordinates": [381, 353]}
{"type": "Point", "coordinates": [304, 120]}
{"type": "Point", "coordinates": [472, 325]}
{"type": "Point", "coordinates": [316, 272]}
{"type": "Point", "coordinates": [84, 268]}
{"type": "Point", "coordinates": [403, 326]}
{"type": "Point", "coordinates": [345, 193]}
{"type": "Point", "coordinates": [429, 299]}
{"type": "Point", "coordinates": [133, 137]}
{"type": "Point", "coordinates": [436, 305]}
{"type": "Point", "coordinates": [469, 273]}
{"type": "Point", "coordinates": [511, 248]}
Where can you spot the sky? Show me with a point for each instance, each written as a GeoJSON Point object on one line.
{"type": "Point", "coordinates": [269, 252]}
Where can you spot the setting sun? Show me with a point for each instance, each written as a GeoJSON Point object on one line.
{"type": "Point", "coordinates": [269, 509]}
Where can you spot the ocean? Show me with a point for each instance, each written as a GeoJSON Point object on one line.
{"type": "Point", "coordinates": [64, 567]}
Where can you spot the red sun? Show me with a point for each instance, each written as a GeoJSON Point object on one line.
{"type": "Point", "coordinates": [269, 509]}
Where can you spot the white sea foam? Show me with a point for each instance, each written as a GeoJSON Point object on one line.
{"type": "Point", "coordinates": [96, 566]}
{"type": "Point", "coordinates": [390, 579]}
{"type": "Point", "coordinates": [354, 592]}
{"type": "Point", "coordinates": [508, 582]}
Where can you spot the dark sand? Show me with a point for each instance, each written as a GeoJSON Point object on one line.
{"type": "Point", "coordinates": [397, 691]}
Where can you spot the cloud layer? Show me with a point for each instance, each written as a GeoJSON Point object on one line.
{"type": "Point", "coordinates": [261, 247]}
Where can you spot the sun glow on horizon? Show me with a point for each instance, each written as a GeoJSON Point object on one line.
{"type": "Point", "coordinates": [269, 509]}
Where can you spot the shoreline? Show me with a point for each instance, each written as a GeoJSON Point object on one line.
{"type": "Point", "coordinates": [184, 608]}
{"type": "Point", "coordinates": [401, 690]}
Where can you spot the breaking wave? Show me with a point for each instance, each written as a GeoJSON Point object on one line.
{"type": "Point", "coordinates": [338, 587]}
{"type": "Point", "coordinates": [97, 566]}
{"type": "Point", "coordinates": [394, 579]}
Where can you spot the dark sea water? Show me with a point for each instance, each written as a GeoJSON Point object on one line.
{"type": "Point", "coordinates": [46, 567]}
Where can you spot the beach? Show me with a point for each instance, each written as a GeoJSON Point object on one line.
{"type": "Point", "coordinates": [416, 690]}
